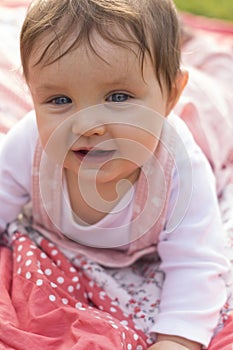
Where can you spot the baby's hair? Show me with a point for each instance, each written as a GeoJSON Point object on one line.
{"type": "Point", "coordinates": [150, 24]}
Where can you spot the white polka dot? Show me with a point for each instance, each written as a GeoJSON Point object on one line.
{"type": "Point", "coordinates": [102, 295]}
{"type": "Point", "coordinates": [53, 285]}
{"type": "Point", "coordinates": [70, 289]}
{"type": "Point", "coordinates": [52, 297]}
{"type": "Point", "coordinates": [58, 262]}
{"type": "Point", "coordinates": [139, 347]}
{"type": "Point", "coordinates": [64, 301]}
{"type": "Point", "coordinates": [20, 247]}
{"type": "Point", "coordinates": [125, 324]}
{"type": "Point", "coordinates": [19, 258]}
{"type": "Point", "coordinates": [90, 295]}
{"type": "Point", "coordinates": [91, 284]}
{"type": "Point", "coordinates": [22, 239]}
{"type": "Point", "coordinates": [72, 269]}
{"type": "Point", "coordinates": [32, 246]}
{"type": "Point", "coordinates": [40, 271]}
{"type": "Point", "coordinates": [28, 262]}
{"type": "Point", "coordinates": [101, 307]}
{"type": "Point", "coordinates": [54, 252]}
{"type": "Point", "coordinates": [48, 272]}
{"type": "Point", "coordinates": [19, 271]}
{"type": "Point", "coordinates": [135, 336]}
{"type": "Point", "coordinates": [75, 279]}
{"type": "Point", "coordinates": [114, 325]}
{"type": "Point", "coordinates": [80, 306]}
{"type": "Point", "coordinates": [28, 275]}
{"type": "Point", "coordinates": [30, 253]}
{"type": "Point", "coordinates": [129, 347]}
{"type": "Point", "coordinates": [51, 245]}
{"type": "Point", "coordinates": [112, 309]}
{"type": "Point", "coordinates": [149, 341]}
{"type": "Point", "coordinates": [109, 316]}
{"type": "Point", "coordinates": [43, 255]}
{"type": "Point", "coordinates": [78, 286]}
{"type": "Point", "coordinates": [123, 335]}
{"type": "Point", "coordinates": [39, 282]}
{"type": "Point", "coordinates": [111, 322]}
{"type": "Point", "coordinates": [60, 280]}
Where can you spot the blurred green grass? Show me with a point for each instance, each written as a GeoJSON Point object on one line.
{"type": "Point", "coordinates": [222, 9]}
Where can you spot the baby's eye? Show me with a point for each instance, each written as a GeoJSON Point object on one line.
{"type": "Point", "coordinates": [118, 97]}
{"type": "Point", "coordinates": [60, 100]}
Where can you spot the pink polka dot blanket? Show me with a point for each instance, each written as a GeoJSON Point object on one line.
{"type": "Point", "coordinates": [48, 303]}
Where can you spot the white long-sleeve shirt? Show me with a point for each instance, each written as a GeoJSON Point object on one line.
{"type": "Point", "coordinates": [192, 254]}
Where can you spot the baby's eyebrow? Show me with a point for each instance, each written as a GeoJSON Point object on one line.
{"type": "Point", "coordinates": [116, 83]}
{"type": "Point", "coordinates": [125, 80]}
{"type": "Point", "coordinates": [46, 86]}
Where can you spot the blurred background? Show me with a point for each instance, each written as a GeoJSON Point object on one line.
{"type": "Point", "coordinates": [222, 9]}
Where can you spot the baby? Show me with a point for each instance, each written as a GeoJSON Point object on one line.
{"type": "Point", "coordinates": [110, 171]}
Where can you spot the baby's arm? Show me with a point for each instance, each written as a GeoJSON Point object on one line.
{"type": "Point", "coordinates": [16, 157]}
{"type": "Point", "coordinates": [167, 342]}
{"type": "Point", "coordinates": [193, 260]}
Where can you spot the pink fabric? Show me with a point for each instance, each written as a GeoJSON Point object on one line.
{"type": "Point", "coordinates": [224, 340]}
{"type": "Point", "coordinates": [207, 102]}
{"type": "Point", "coordinates": [210, 25]}
{"type": "Point", "coordinates": [14, 3]}
{"type": "Point", "coordinates": [206, 107]}
{"type": "Point", "coordinates": [45, 302]}
{"type": "Point", "coordinates": [15, 101]}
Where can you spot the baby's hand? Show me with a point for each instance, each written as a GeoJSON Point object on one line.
{"type": "Point", "coordinates": [167, 342]}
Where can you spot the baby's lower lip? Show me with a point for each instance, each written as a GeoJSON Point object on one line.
{"type": "Point", "coordinates": [94, 156]}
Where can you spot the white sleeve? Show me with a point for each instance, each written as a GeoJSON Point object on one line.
{"type": "Point", "coordinates": [193, 260]}
{"type": "Point", "coordinates": [16, 158]}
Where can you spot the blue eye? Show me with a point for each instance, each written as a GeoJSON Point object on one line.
{"type": "Point", "coordinates": [118, 97]}
{"type": "Point", "coordinates": [61, 100]}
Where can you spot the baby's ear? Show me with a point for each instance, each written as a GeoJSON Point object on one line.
{"type": "Point", "coordinates": [177, 88]}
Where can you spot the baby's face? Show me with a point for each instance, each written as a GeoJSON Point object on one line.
{"type": "Point", "coordinates": [117, 132]}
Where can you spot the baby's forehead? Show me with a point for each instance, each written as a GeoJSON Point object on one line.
{"type": "Point", "coordinates": [102, 64]}
{"type": "Point", "coordinates": [50, 47]}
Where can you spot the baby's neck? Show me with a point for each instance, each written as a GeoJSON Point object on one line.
{"type": "Point", "coordinates": [91, 204]}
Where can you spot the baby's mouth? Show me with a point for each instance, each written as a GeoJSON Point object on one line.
{"type": "Point", "coordinates": [94, 155]}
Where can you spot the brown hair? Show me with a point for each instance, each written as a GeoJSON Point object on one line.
{"type": "Point", "coordinates": [150, 24]}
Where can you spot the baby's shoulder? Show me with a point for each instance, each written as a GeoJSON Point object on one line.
{"type": "Point", "coordinates": [25, 128]}
{"type": "Point", "coordinates": [21, 139]}
{"type": "Point", "coordinates": [182, 132]}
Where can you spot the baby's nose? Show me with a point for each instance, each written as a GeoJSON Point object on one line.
{"type": "Point", "coordinates": [88, 130]}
